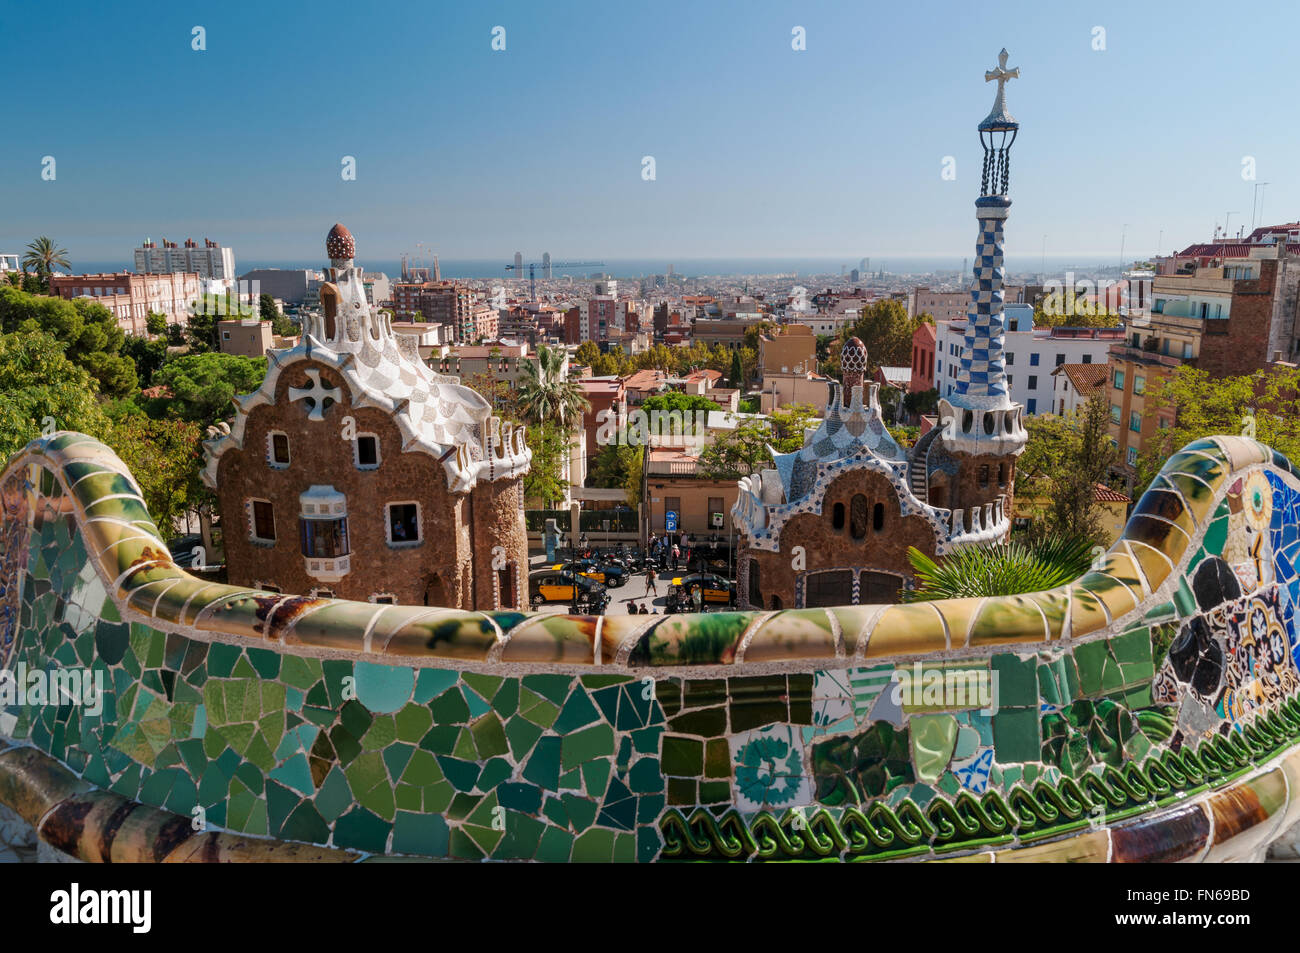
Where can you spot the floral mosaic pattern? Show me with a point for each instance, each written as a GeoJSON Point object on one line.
{"type": "Point", "coordinates": [356, 730]}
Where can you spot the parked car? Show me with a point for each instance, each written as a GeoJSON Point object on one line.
{"type": "Point", "coordinates": [715, 589]}
{"type": "Point", "coordinates": [605, 573]}
{"type": "Point", "coordinates": [559, 585]}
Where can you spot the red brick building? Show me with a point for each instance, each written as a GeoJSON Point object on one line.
{"type": "Point", "coordinates": [132, 297]}
{"type": "Point", "coordinates": [356, 472]}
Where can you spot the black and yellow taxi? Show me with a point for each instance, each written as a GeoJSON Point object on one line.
{"type": "Point", "coordinates": [609, 576]}
{"type": "Point", "coordinates": [715, 588]}
{"type": "Point", "coordinates": [558, 584]}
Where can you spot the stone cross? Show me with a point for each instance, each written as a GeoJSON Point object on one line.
{"type": "Point", "coordinates": [317, 390]}
{"type": "Point", "coordinates": [1002, 74]}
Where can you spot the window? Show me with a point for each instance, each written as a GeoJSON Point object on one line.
{"type": "Point", "coordinates": [1114, 443]}
{"type": "Point", "coordinates": [1011, 358]}
{"type": "Point", "coordinates": [858, 517]}
{"type": "Point", "coordinates": [1033, 360]}
{"type": "Point", "coordinates": [403, 524]}
{"type": "Point", "coordinates": [1002, 474]}
{"type": "Point", "coordinates": [1132, 456]}
{"type": "Point", "coordinates": [1139, 384]}
{"type": "Point", "coordinates": [1060, 359]}
{"type": "Point", "coordinates": [1033, 382]}
{"type": "Point", "coordinates": [878, 517]}
{"type": "Point", "coordinates": [277, 451]}
{"type": "Point", "coordinates": [1187, 349]}
{"type": "Point", "coordinates": [1135, 421]}
{"type": "Point", "coordinates": [384, 598]}
{"type": "Point", "coordinates": [1115, 412]}
{"type": "Point", "coordinates": [324, 539]}
{"type": "Point", "coordinates": [1159, 306]}
{"type": "Point", "coordinates": [262, 515]}
{"type": "Point", "coordinates": [1032, 406]}
{"type": "Point", "coordinates": [833, 588]}
{"type": "Point", "coordinates": [1118, 380]}
{"type": "Point", "coordinates": [878, 587]}
{"type": "Point", "coordinates": [1087, 359]}
{"type": "Point", "coordinates": [984, 475]}
{"type": "Point", "coordinates": [366, 451]}
{"type": "Point", "coordinates": [1164, 423]}
{"type": "Point", "coordinates": [1010, 378]}
{"type": "Point", "coordinates": [837, 516]}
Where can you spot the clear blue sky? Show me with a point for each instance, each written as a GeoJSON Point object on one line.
{"type": "Point", "coordinates": [760, 150]}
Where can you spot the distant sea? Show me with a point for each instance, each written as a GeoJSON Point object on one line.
{"type": "Point", "coordinates": [486, 269]}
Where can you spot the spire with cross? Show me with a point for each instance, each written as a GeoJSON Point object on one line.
{"type": "Point", "coordinates": [986, 418]}
{"type": "Point", "coordinates": [999, 116]}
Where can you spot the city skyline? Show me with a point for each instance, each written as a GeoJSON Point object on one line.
{"type": "Point", "coordinates": [835, 150]}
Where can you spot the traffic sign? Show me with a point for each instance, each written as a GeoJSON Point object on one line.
{"type": "Point", "coordinates": [670, 521]}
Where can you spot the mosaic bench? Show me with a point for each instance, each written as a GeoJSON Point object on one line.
{"type": "Point", "coordinates": [1147, 711]}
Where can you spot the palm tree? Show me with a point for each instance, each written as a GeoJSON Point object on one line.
{"type": "Point", "coordinates": [42, 256]}
{"type": "Point", "coordinates": [547, 396]}
{"type": "Point", "coordinates": [1000, 569]}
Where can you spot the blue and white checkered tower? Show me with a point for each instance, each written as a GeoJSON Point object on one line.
{"type": "Point", "coordinates": [983, 417]}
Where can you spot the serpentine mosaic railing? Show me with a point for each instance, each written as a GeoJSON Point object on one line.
{"type": "Point", "coordinates": [1147, 711]}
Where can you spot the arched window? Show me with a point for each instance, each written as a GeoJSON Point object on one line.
{"type": "Point", "coordinates": [858, 516]}
{"type": "Point", "coordinates": [984, 475]}
{"type": "Point", "coordinates": [878, 517]}
{"type": "Point", "coordinates": [837, 516]}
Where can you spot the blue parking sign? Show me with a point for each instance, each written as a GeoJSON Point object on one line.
{"type": "Point", "coordinates": [670, 521]}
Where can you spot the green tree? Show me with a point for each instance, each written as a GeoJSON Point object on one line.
{"type": "Point", "coordinates": [266, 307]}
{"type": "Point", "coordinates": [1063, 461]}
{"type": "Point", "coordinates": [788, 424]}
{"type": "Point", "coordinates": [1266, 403]}
{"type": "Point", "coordinates": [88, 332]}
{"type": "Point", "coordinates": [156, 323]}
{"type": "Point", "coordinates": [166, 459]}
{"type": "Point", "coordinates": [43, 390]}
{"type": "Point", "coordinates": [148, 354]}
{"type": "Point", "coordinates": [738, 453]}
{"type": "Point", "coordinates": [547, 395]}
{"type": "Point", "coordinates": [203, 385]}
{"type": "Point", "coordinates": [886, 330]}
{"type": "Point", "coordinates": [43, 256]}
{"type": "Point", "coordinates": [544, 480]}
{"type": "Point", "coordinates": [737, 375]}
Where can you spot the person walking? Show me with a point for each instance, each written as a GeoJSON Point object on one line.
{"type": "Point", "coordinates": [650, 581]}
{"type": "Point", "coordinates": [677, 554]}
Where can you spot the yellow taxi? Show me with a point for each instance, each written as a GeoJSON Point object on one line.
{"type": "Point", "coordinates": [558, 585]}
{"type": "Point", "coordinates": [714, 587]}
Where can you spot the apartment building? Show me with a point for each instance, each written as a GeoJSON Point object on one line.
{"type": "Point", "coordinates": [209, 260]}
{"type": "Point", "coordinates": [132, 297]}
{"type": "Point", "coordinates": [1031, 354]}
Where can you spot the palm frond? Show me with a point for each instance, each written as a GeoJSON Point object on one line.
{"type": "Point", "coordinates": [999, 569]}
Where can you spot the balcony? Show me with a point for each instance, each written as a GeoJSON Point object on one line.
{"type": "Point", "coordinates": [1140, 355]}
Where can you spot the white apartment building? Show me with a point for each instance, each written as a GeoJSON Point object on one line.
{"type": "Point", "coordinates": [1031, 355]}
{"type": "Point", "coordinates": [209, 260]}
